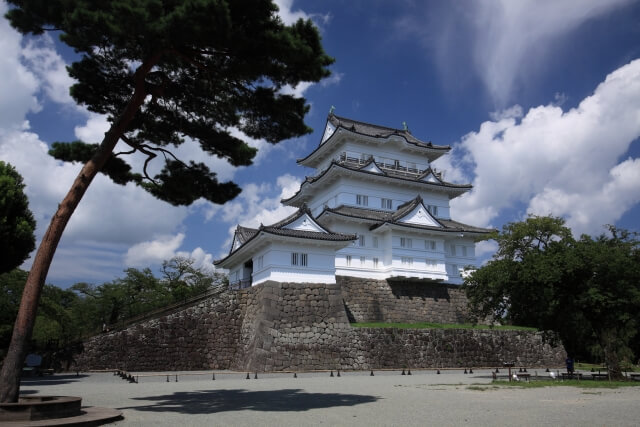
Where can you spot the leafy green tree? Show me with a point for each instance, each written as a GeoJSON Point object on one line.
{"type": "Point", "coordinates": [16, 220]}
{"type": "Point", "coordinates": [165, 73]}
{"type": "Point", "coordinates": [586, 290]}
{"type": "Point", "coordinates": [11, 285]}
{"type": "Point", "coordinates": [184, 280]}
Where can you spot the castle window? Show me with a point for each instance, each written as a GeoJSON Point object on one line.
{"type": "Point", "coordinates": [433, 210]}
{"type": "Point", "coordinates": [405, 242]}
{"type": "Point", "coordinates": [375, 263]}
{"type": "Point", "coordinates": [348, 260]}
{"type": "Point", "coordinates": [407, 261]}
{"type": "Point", "coordinates": [386, 204]}
{"type": "Point", "coordinates": [303, 259]}
{"type": "Point", "coordinates": [464, 251]}
{"type": "Point", "coordinates": [430, 245]}
{"type": "Point", "coordinates": [361, 240]}
{"type": "Point", "coordinates": [375, 242]}
{"type": "Point", "coordinates": [362, 200]}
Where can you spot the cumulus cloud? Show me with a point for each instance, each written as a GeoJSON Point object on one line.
{"type": "Point", "coordinates": [558, 162]}
{"type": "Point", "coordinates": [289, 16]}
{"type": "Point", "coordinates": [508, 41]}
{"type": "Point", "coordinates": [18, 85]}
{"type": "Point", "coordinates": [259, 204]}
{"type": "Point", "coordinates": [153, 251]}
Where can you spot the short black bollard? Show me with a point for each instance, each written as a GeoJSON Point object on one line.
{"type": "Point", "coordinates": [331, 374]}
{"type": "Point", "coordinates": [77, 373]}
{"type": "Point", "coordinates": [371, 373]}
{"type": "Point", "coordinates": [255, 377]}
{"type": "Point", "coordinates": [167, 378]}
{"type": "Point", "coordinates": [525, 370]}
{"type": "Point", "coordinates": [338, 373]}
{"type": "Point", "coordinates": [176, 377]}
{"type": "Point", "coordinates": [403, 372]}
{"type": "Point", "coordinates": [248, 376]}
{"type": "Point", "coordinates": [295, 375]}
{"type": "Point", "coordinates": [497, 371]}
{"type": "Point", "coordinates": [547, 370]}
{"type": "Point", "coordinates": [213, 376]}
{"type": "Point", "coordinates": [471, 370]}
{"type": "Point", "coordinates": [465, 370]}
{"type": "Point", "coordinates": [408, 371]}
{"type": "Point", "coordinates": [438, 371]}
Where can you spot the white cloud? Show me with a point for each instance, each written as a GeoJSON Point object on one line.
{"type": "Point", "coordinates": [41, 58]}
{"type": "Point", "coordinates": [556, 162]}
{"type": "Point", "coordinates": [18, 85]}
{"type": "Point", "coordinates": [505, 41]}
{"type": "Point", "coordinates": [92, 132]}
{"type": "Point", "coordinates": [153, 251]}
{"type": "Point", "coordinates": [289, 16]}
{"type": "Point", "coordinates": [256, 206]}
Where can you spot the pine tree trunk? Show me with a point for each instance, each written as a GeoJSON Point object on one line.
{"type": "Point", "coordinates": [12, 366]}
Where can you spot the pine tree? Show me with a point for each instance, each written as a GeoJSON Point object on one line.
{"type": "Point", "coordinates": [167, 72]}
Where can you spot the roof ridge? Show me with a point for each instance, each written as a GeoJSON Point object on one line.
{"type": "Point", "coordinates": [370, 124]}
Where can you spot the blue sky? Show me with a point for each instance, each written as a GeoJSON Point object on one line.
{"type": "Point", "coordinates": [539, 99]}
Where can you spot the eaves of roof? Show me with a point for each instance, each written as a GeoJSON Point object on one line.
{"type": "Point", "coordinates": [461, 188]}
{"type": "Point", "coordinates": [374, 131]}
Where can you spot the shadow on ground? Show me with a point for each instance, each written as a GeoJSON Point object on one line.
{"type": "Point", "coordinates": [212, 401]}
{"type": "Point", "coordinates": [52, 379]}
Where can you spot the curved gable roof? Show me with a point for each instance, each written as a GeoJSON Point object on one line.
{"type": "Point", "coordinates": [454, 188]}
{"type": "Point", "coordinates": [370, 130]}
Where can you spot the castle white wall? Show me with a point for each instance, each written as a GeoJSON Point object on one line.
{"type": "Point", "coordinates": [385, 152]}
{"type": "Point", "coordinates": [274, 263]}
{"type": "Point", "coordinates": [345, 190]}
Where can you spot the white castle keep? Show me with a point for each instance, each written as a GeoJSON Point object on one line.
{"type": "Point", "coordinates": [374, 209]}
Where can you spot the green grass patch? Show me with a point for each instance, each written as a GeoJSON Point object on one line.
{"type": "Point", "coordinates": [428, 325]}
{"type": "Point", "coordinates": [566, 383]}
{"type": "Point", "coordinates": [587, 367]}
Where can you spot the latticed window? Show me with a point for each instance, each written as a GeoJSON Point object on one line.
{"type": "Point", "coordinates": [386, 203]}
{"type": "Point", "coordinates": [362, 200]}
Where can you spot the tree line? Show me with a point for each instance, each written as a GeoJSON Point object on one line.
{"type": "Point", "coordinates": [586, 290]}
{"type": "Point", "coordinates": [65, 316]}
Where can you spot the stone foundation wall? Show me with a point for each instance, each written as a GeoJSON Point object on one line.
{"type": "Point", "coordinates": [205, 335]}
{"type": "Point", "coordinates": [291, 326]}
{"type": "Point", "coordinates": [370, 300]}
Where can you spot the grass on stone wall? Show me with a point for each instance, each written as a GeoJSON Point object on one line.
{"type": "Point", "coordinates": [560, 383]}
{"type": "Point", "coordinates": [428, 325]}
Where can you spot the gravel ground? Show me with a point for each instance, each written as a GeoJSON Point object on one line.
{"type": "Point", "coordinates": [354, 399]}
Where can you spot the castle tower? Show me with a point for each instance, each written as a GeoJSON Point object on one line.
{"type": "Point", "coordinates": [377, 198]}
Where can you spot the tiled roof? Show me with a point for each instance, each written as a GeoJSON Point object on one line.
{"type": "Point", "coordinates": [386, 173]}
{"type": "Point", "coordinates": [245, 234]}
{"type": "Point", "coordinates": [374, 131]}
{"type": "Point", "coordinates": [378, 131]}
{"type": "Point", "coordinates": [385, 217]}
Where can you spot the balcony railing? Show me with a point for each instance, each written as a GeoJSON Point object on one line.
{"type": "Point", "coordinates": [399, 167]}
